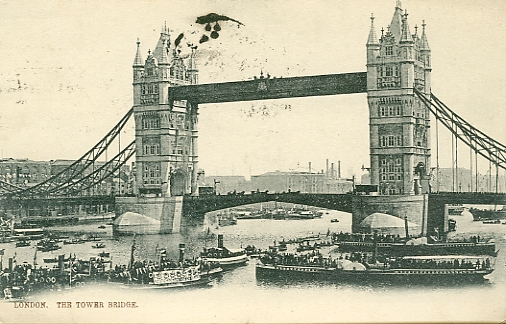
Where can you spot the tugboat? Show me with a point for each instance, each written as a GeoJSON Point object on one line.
{"type": "Point", "coordinates": [73, 241]}
{"type": "Point", "coordinates": [47, 245]}
{"type": "Point", "coordinates": [357, 267]}
{"type": "Point", "coordinates": [300, 214]}
{"type": "Point", "coordinates": [227, 219]}
{"type": "Point", "coordinates": [165, 273]}
{"type": "Point", "coordinates": [223, 256]}
{"type": "Point", "coordinates": [22, 243]}
{"type": "Point", "coordinates": [488, 214]}
{"type": "Point", "coordinates": [252, 251]}
{"type": "Point", "coordinates": [492, 221]}
{"type": "Point", "coordinates": [455, 209]}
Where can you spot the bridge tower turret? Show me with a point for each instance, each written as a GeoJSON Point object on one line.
{"type": "Point", "coordinates": [399, 122]}
{"type": "Point", "coordinates": [166, 131]}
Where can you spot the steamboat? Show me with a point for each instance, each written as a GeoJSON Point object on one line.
{"type": "Point", "coordinates": [359, 268]}
{"type": "Point", "coordinates": [392, 245]}
{"type": "Point", "coordinates": [18, 281]}
{"type": "Point", "coordinates": [223, 256]}
{"type": "Point", "coordinates": [165, 273]}
{"type": "Point", "coordinates": [226, 219]}
{"type": "Point", "coordinates": [488, 214]}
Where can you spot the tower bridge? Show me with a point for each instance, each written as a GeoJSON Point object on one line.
{"type": "Point", "coordinates": [167, 95]}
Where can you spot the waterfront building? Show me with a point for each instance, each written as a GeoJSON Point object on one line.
{"type": "Point", "coordinates": [304, 182]}
{"type": "Point", "coordinates": [225, 184]}
{"type": "Point", "coordinates": [118, 184]}
{"type": "Point", "coordinates": [24, 172]}
{"type": "Point", "coordinates": [59, 165]}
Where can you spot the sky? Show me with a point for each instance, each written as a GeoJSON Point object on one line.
{"type": "Point", "coordinates": [65, 75]}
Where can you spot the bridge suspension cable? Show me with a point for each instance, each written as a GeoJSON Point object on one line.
{"type": "Point", "coordinates": [8, 187]}
{"type": "Point", "coordinates": [99, 175]}
{"type": "Point", "coordinates": [481, 143]}
{"type": "Point", "coordinates": [76, 170]}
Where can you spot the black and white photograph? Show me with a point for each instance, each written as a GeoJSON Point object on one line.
{"type": "Point", "coordinates": [252, 161]}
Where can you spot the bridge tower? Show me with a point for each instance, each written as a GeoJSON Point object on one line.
{"type": "Point", "coordinates": [165, 132]}
{"type": "Point", "coordinates": [397, 62]}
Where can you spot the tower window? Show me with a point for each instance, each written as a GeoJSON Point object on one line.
{"type": "Point", "coordinates": [398, 140]}
{"type": "Point", "coordinates": [383, 141]}
{"type": "Point", "coordinates": [152, 173]}
{"type": "Point", "coordinates": [391, 140]}
{"type": "Point", "coordinates": [151, 123]}
{"type": "Point", "coordinates": [389, 71]}
{"type": "Point", "coordinates": [389, 50]}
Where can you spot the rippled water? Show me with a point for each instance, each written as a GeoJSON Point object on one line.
{"type": "Point", "coordinates": [239, 297]}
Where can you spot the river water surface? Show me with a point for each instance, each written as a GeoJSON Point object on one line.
{"type": "Point", "coordinates": [239, 297]}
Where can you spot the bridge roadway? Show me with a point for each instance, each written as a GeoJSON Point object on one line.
{"type": "Point", "coordinates": [271, 88]}
{"type": "Point", "coordinates": [198, 206]}
{"type": "Point", "coordinates": [194, 207]}
{"type": "Point", "coordinates": [437, 201]}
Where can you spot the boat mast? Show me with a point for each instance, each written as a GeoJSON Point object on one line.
{"type": "Point", "coordinates": [375, 253]}
{"type": "Point", "coordinates": [131, 263]}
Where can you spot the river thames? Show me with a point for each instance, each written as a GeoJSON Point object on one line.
{"type": "Point", "coordinates": [239, 297]}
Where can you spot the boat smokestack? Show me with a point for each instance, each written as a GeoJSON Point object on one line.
{"type": "Point", "coordinates": [61, 260]}
{"type": "Point", "coordinates": [406, 226]}
{"type": "Point", "coordinates": [309, 167]}
{"type": "Point", "coordinates": [181, 252]}
{"type": "Point", "coordinates": [220, 241]}
{"type": "Point", "coordinates": [339, 169]}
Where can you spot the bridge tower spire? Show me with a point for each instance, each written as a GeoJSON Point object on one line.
{"type": "Point", "coordinates": [399, 121]}
{"type": "Point", "coordinates": [166, 131]}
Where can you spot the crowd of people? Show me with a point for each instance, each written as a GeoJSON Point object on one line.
{"type": "Point", "coordinates": [142, 271]}
{"type": "Point", "coordinates": [407, 263]}
{"type": "Point", "coordinates": [366, 238]}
